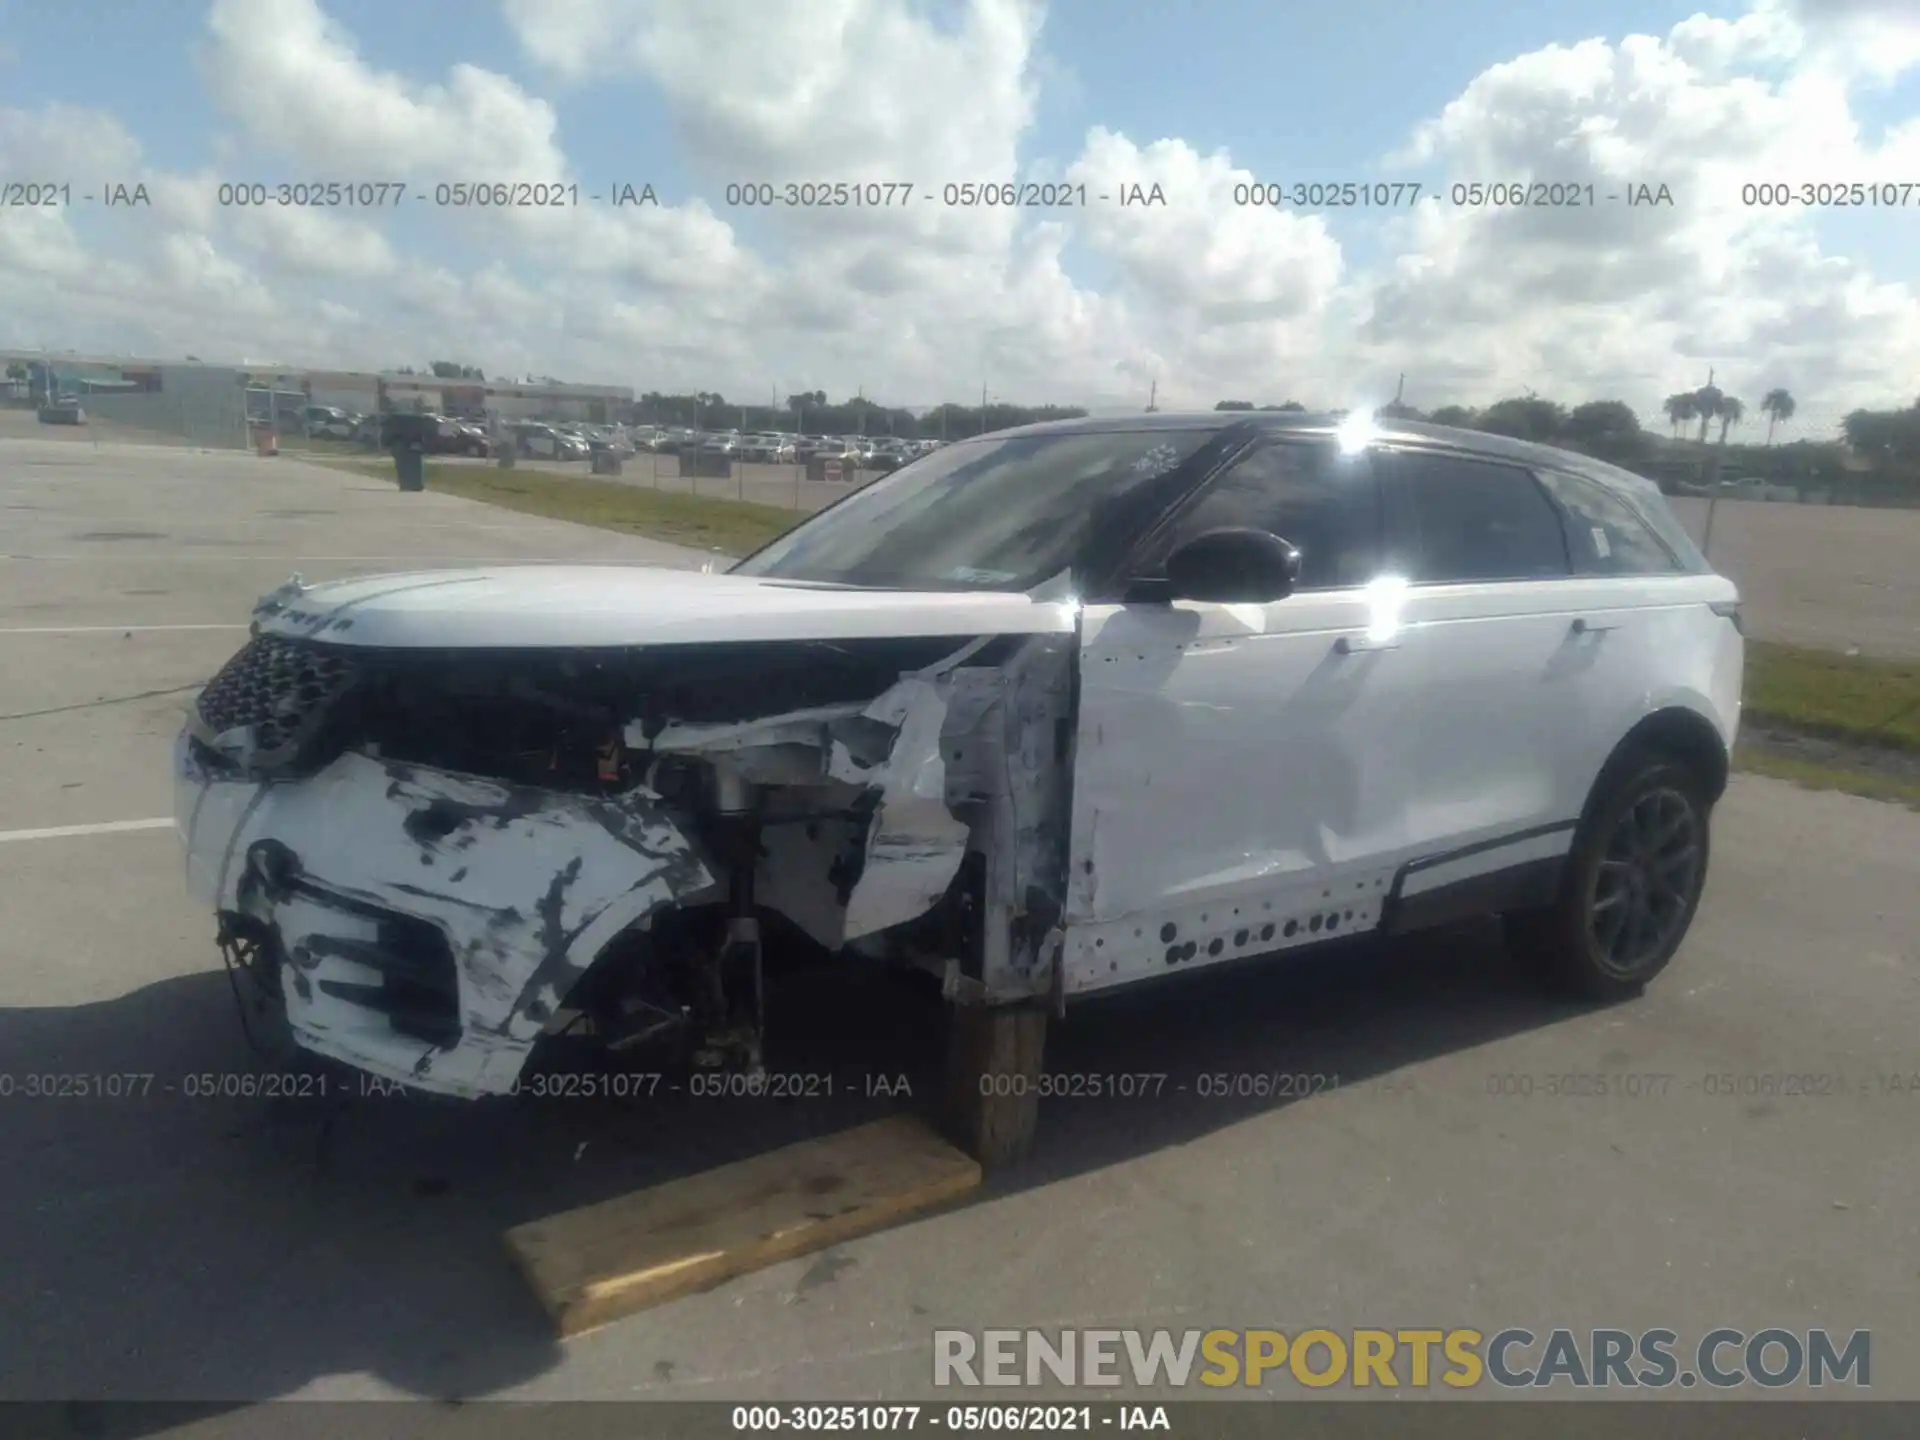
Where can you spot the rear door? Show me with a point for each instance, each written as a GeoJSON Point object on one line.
{"type": "Point", "coordinates": [1543, 618]}
{"type": "Point", "coordinates": [1494, 721]}
{"type": "Point", "coordinates": [1239, 781]}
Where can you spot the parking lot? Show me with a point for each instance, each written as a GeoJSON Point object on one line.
{"type": "Point", "coordinates": [1826, 576]}
{"type": "Point", "coordinates": [786, 487]}
{"type": "Point", "coordinates": [172, 1244]}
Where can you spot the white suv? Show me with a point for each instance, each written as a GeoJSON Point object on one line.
{"type": "Point", "coordinates": [1050, 712]}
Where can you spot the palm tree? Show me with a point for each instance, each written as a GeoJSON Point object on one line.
{"type": "Point", "coordinates": [1778, 406]}
{"type": "Point", "coordinates": [1679, 410]}
{"type": "Point", "coordinates": [1732, 412]}
{"type": "Point", "coordinates": [1706, 406]}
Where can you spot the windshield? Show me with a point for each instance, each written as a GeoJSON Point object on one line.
{"type": "Point", "coordinates": [987, 514]}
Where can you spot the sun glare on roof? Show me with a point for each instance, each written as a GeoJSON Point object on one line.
{"type": "Point", "coordinates": [1356, 432]}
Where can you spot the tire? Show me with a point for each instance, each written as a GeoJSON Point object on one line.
{"type": "Point", "coordinates": [1632, 883]}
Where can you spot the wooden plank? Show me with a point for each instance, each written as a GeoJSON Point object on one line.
{"type": "Point", "coordinates": [599, 1263]}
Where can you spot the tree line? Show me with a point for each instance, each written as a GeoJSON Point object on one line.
{"type": "Point", "coordinates": [1876, 455]}
{"type": "Point", "coordinates": [809, 412]}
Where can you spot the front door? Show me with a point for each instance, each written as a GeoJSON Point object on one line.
{"type": "Point", "coordinates": [1239, 781]}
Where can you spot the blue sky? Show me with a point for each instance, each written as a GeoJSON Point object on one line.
{"type": "Point", "coordinates": [1290, 91]}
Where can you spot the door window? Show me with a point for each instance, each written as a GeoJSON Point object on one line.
{"type": "Point", "coordinates": [1323, 504]}
{"type": "Point", "coordinates": [1474, 520]}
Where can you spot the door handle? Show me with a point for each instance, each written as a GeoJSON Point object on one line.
{"type": "Point", "coordinates": [1584, 626]}
{"type": "Point", "coordinates": [1357, 644]}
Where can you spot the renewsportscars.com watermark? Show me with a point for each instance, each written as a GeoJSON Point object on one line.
{"type": "Point", "coordinates": [1459, 1359]}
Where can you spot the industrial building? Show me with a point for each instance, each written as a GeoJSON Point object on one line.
{"type": "Point", "coordinates": [212, 403]}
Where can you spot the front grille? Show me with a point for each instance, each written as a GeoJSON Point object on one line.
{"type": "Point", "coordinates": [272, 697]}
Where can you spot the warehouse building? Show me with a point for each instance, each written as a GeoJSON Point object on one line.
{"type": "Point", "coordinates": [211, 403]}
{"type": "Point", "coordinates": [508, 400]}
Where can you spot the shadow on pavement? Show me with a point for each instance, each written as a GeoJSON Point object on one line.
{"type": "Point", "coordinates": [175, 1245]}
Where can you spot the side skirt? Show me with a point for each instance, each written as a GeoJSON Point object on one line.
{"type": "Point", "coordinates": [1514, 872]}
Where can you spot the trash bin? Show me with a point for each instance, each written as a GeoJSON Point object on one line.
{"type": "Point", "coordinates": [606, 462]}
{"type": "Point", "coordinates": [504, 456]}
{"type": "Point", "coordinates": [409, 465]}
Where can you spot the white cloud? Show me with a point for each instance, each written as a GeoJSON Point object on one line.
{"type": "Point", "coordinates": [62, 142]}
{"type": "Point", "coordinates": [1206, 298]}
{"type": "Point", "coordinates": [1633, 301]}
{"type": "Point", "coordinates": [294, 81]}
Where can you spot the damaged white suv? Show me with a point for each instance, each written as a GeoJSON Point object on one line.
{"type": "Point", "coordinates": [1048, 712]}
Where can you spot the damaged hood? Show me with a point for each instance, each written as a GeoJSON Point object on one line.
{"type": "Point", "coordinates": [601, 605]}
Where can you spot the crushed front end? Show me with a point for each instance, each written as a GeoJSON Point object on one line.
{"type": "Point", "coordinates": [433, 858]}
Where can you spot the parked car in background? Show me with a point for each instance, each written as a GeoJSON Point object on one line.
{"type": "Point", "coordinates": [1753, 487]}
{"type": "Point", "coordinates": [63, 410]}
{"type": "Point", "coordinates": [479, 442]}
{"type": "Point", "coordinates": [328, 422]}
{"type": "Point", "coordinates": [1266, 682]}
{"type": "Point", "coordinates": [432, 435]}
{"type": "Point", "coordinates": [768, 448]}
{"type": "Point", "coordinates": [831, 447]}
{"type": "Point", "coordinates": [538, 441]}
{"type": "Point", "coordinates": [607, 439]}
{"type": "Point", "coordinates": [889, 455]}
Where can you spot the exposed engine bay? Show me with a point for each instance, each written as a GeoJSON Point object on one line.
{"type": "Point", "coordinates": [435, 858]}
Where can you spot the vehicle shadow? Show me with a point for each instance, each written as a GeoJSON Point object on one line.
{"type": "Point", "coordinates": [175, 1244]}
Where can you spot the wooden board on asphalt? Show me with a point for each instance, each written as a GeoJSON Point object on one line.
{"type": "Point", "coordinates": [604, 1261]}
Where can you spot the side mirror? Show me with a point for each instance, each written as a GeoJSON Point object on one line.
{"type": "Point", "coordinates": [1234, 567]}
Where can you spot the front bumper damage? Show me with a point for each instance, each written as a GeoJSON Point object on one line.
{"type": "Point", "coordinates": [427, 925]}
{"type": "Point", "coordinates": [518, 889]}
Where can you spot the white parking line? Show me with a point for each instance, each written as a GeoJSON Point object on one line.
{"type": "Point", "coordinates": [106, 629]}
{"type": "Point", "coordinates": [105, 827]}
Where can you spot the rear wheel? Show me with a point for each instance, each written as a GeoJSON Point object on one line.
{"type": "Point", "coordinates": [1632, 883]}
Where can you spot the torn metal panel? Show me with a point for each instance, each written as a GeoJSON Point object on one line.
{"type": "Point", "coordinates": [526, 885]}
{"type": "Point", "coordinates": [1009, 761]}
{"type": "Point", "coordinates": [800, 727]}
{"type": "Point", "coordinates": [436, 844]}
{"type": "Point", "coordinates": [884, 764]}
{"type": "Point", "coordinates": [915, 845]}
{"type": "Point", "coordinates": [807, 870]}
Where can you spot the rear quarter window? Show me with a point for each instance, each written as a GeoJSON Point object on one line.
{"type": "Point", "coordinates": [1605, 534]}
